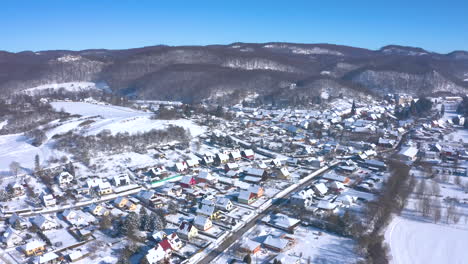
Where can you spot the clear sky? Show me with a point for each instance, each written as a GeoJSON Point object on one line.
{"type": "Point", "coordinates": [440, 26]}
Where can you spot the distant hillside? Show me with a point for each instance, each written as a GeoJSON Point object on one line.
{"type": "Point", "coordinates": [229, 72]}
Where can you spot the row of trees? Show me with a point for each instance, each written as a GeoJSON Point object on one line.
{"type": "Point", "coordinates": [84, 146]}
{"type": "Point", "coordinates": [420, 108]}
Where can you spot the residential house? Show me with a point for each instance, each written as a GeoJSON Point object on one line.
{"type": "Point", "coordinates": [275, 243]}
{"type": "Point", "coordinates": [11, 237]}
{"type": "Point", "coordinates": [209, 211]}
{"type": "Point", "coordinates": [64, 179]}
{"type": "Point", "coordinates": [193, 163]}
{"type": "Point", "coordinates": [235, 155]}
{"type": "Point", "coordinates": [202, 222]}
{"type": "Point", "coordinates": [158, 254]}
{"type": "Point", "coordinates": [224, 204]}
{"type": "Point", "coordinates": [34, 248]}
{"type": "Point", "coordinates": [257, 190]}
{"type": "Point", "coordinates": [260, 173]}
{"type": "Point", "coordinates": [18, 222]}
{"type": "Point", "coordinates": [98, 210]}
{"type": "Point", "coordinates": [187, 230]}
{"type": "Point", "coordinates": [335, 177]}
{"type": "Point", "coordinates": [121, 180]}
{"type": "Point", "coordinates": [174, 241]}
{"type": "Point", "coordinates": [221, 158]}
{"type": "Point", "coordinates": [246, 197]}
{"type": "Point", "coordinates": [15, 189]}
{"type": "Point", "coordinates": [248, 154]}
{"type": "Point", "coordinates": [44, 222]}
{"type": "Point", "coordinates": [49, 258]}
{"type": "Point", "coordinates": [208, 158]}
{"type": "Point", "coordinates": [206, 177]}
{"type": "Point", "coordinates": [123, 202]}
{"type": "Point", "coordinates": [230, 166]}
{"type": "Point", "coordinates": [187, 182]}
{"type": "Point", "coordinates": [320, 189]}
{"type": "Point", "coordinates": [104, 188]}
{"type": "Point", "coordinates": [284, 222]}
{"type": "Point", "coordinates": [283, 172]}
{"type": "Point", "coordinates": [49, 200]}
{"type": "Point", "coordinates": [250, 246]}
{"type": "Point", "coordinates": [181, 166]}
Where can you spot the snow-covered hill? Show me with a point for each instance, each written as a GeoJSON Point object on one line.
{"type": "Point", "coordinates": [94, 119]}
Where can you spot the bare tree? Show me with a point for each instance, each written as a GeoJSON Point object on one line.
{"type": "Point", "coordinates": [426, 206]}
{"type": "Point", "coordinates": [435, 188]}
{"type": "Point", "coordinates": [15, 167]}
{"type": "Point", "coordinates": [421, 189]}
{"type": "Point", "coordinates": [458, 180]}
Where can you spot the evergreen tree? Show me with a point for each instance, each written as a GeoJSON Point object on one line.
{"type": "Point", "coordinates": [37, 163]}
{"type": "Point", "coordinates": [130, 224]}
{"type": "Point", "coordinates": [442, 110]}
{"type": "Point", "coordinates": [247, 259]}
{"type": "Point", "coordinates": [144, 220]}
{"type": "Point", "coordinates": [353, 108]}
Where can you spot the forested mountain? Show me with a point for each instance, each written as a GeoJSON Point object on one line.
{"type": "Point", "coordinates": [230, 72]}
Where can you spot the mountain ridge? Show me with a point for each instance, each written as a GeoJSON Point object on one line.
{"type": "Point", "coordinates": [195, 73]}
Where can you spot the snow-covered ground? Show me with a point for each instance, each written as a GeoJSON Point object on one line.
{"type": "Point", "coordinates": [121, 119]}
{"type": "Point", "coordinates": [17, 147]}
{"type": "Point", "coordinates": [68, 86]}
{"type": "Point", "coordinates": [417, 242]}
{"type": "Point", "coordinates": [414, 239]}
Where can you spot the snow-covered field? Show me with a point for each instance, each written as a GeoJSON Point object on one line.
{"type": "Point", "coordinates": [417, 242]}
{"type": "Point", "coordinates": [121, 119]}
{"type": "Point", "coordinates": [414, 239]}
{"type": "Point", "coordinates": [68, 86]}
{"type": "Point", "coordinates": [17, 147]}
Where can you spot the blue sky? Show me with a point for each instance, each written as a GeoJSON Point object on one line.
{"type": "Point", "coordinates": [440, 26]}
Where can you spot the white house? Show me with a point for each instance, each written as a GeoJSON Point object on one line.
{"type": "Point", "coordinates": [64, 179]}
{"type": "Point", "coordinates": [49, 200]}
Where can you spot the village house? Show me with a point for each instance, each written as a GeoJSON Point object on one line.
{"type": "Point", "coordinates": [331, 176]}
{"type": "Point", "coordinates": [224, 204]}
{"type": "Point", "coordinates": [275, 243]}
{"type": "Point", "coordinates": [160, 252]}
{"type": "Point", "coordinates": [235, 155]}
{"type": "Point", "coordinates": [11, 237]}
{"type": "Point", "coordinates": [250, 246]}
{"type": "Point", "coordinates": [193, 163]}
{"type": "Point", "coordinates": [104, 188]}
{"type": "Point", "coordinates": [34, 248]}
{"type": "Point", "coordinates": [121, 180]}
{"type": "Point", "coordinates": [246, 197]}
{"type": "Point", "coordinates": [259, 173]}
{"type": "Point", "coordinates": [209, 211]}
{"type": "Point", "coordinates": [181, 166]}
{"type": "Point", "coordinates": [248, 154]}
{"type": "Point", "coordinates": [202, 223]}
{"type": "Point", "coordinates": [18, 222]}
{"type": "Point", "coordinates": [206, 177]}
{"type": "Point", "coordinates": [187, 231]}
{"type": "Point", "coordinates": [283, 221]}
{"type": "Point", "coordinates": [98, 210]}
{"type": "Point", "coordinates": [44, 222]}
{"type": "Point", "coordinates": [64, 179]}
{"type": "Point", "coordinates": [49, 200]}
{"type": "Point", "coordinates": [187, 182]}
{"type": "Point", "coordinates": [123, 202]}
{"type": "Point", "coordinates": [15, 189]}
{"type": "Point", "coordinates": [158, 172]}
{"type": "Point", "coordinates": [208, 158]}
{"type": "Point", "coordinates": [230, 166]}
{"type": "Point", "coordinates": [221, 158]}
{"type": "Point", "coordinates": [49, 258]}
